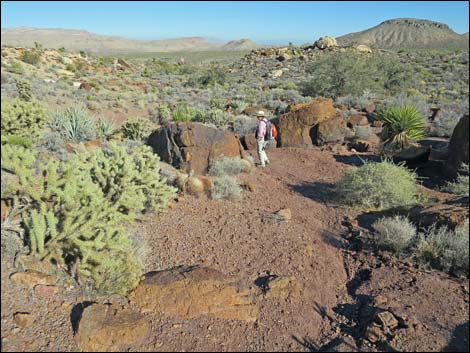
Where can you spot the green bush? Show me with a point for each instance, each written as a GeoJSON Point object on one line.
{"type": "Point", "coordinates": [32, 56]}
{"type": "Point", "coordinates": [401, 125]}
{"type": "Point", "coordinates": [217, 117]}
{"type": "Point", "coordinates": [226, 188]}
{"type": "Point", "coordinates": [136, 128]}
{"type": "Point", "coordinates": [227, 166]}
{"type": "Point", "coordinates": [78, 209]}
{"type": "Point", "coordinates": [74, 124]}
{"type": "Point", "coordinates": [444, 249]}
{"type": "Point", "coordinates": [213, 77]}
{"type": "Point", "coordinates": [376, 186]}
{"type": "Point", "coordinates": [17, 140]}
{"type": "Point", "coordinates": [461, 185]}
{"type": "Point", "coordinates": [395, 234]}
{"type": "Point", "coordinates": [340, 73]}
{"type": "Point", "coordinates": [184, 113]}
{"type": "Point", "coordinates": [23, 119]}
{"type": "Point", "coordinates": [16, 68]}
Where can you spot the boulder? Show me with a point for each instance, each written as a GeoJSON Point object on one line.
{"type": "Point", "coordinates": [298, 126]}
{"type": "Point", "coordinates": [23, 319]}
{"type": "Point", "coordinates": [458, 147]}
{"type": "Point", "coordinates": [331, 130]}
{"type": "Point", "coordinates": [361, 48]}
{"type": "Point", "coordinates": [325, 42]}
{"type": "Point", "coordinates": [191, 146]}
{"type": "Point", "coordinates": [276, 73]}
{"type": "Point", "coordinates": [413, 155]}
{"type": "Point", "coordinates": [189, 292]}
{"type": "Point", "coordinates": [32, 278]}
{"type": "Point", "coordinates": [85, 85]}
{"type": "Point", "coordinates": [283, 288]}
{"type": "Point", "coordinates": [124, 63]}
{"type": "Point", "coordinates": [110, 328]}
{"type": "Point", "coordinates": [450, 213]}
{"type": "Point", "coordinates": [357, 119]}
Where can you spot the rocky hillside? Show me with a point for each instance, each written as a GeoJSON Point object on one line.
{"type": "Point", "coordinates": [96, 43]}
{"type": "Point", "coordinates": [407, 33]}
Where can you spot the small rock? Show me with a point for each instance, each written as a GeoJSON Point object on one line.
{"type": "Point", "coordinates": [386, 319]}
{"type": "Point", "coordinates": [373, 334]}
{"type": "Point", "coordinates": [33, 278]}
{"type": "Point", "coordinates": [285, 213]}
{"type": "Point", "coordinates": [283, 288]}
{"type": "Point", "coordinates": [42, 291]}
{"type": "Point", "coordinates": [23, 319]}
{"type": "Point", "coordinates": [110, 328]}
{"type": "Point", "coordinates": [380, 300]}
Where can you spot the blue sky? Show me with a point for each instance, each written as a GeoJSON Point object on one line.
{"type": "Point", "coordinates": [265, 22]}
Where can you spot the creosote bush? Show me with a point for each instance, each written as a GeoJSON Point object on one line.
{"type": "Point", "coordinates": [79, 209]}
{"type": "Point", "coordinates": [377, 186]}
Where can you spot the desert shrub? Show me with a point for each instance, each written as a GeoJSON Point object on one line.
{"type": "Point", "coordinates": [227, 166]}
{"type": "Point", "coordinates": [244, 125]}
{"type": "Point", "coordinates": [105, 129]}
{"type": "Point", "coordinates": [403, 99]}
{"type": "Point", "coordinates": [78, 209]}
{"type": "Point", "coordinates": [24, 90]}
{"type": "Point", "coordinates": [17, 140]}
{"type": "Point", "coordinates": [363, 132]}
{"type": "Point", "coordinates": [136, 128]}
{"type": "Point", "coordinates": [16, 68]}
{"type": "Point", "coordinates": [445, 122]}
{"type": "Point", "coordinates": [74, 124]}
{"type": "Point", "coordinates": [395, 234]}
{"type": "Point", "coordinates": [444, 249]}
{"type": "Point", "coordinates": [24, 119]}
{"type": "Point", "coordinates": [162, 115]}
{"type": "Point", "coordinates": [402, 125]}
{"type": "Point", "coordinates": [381, 185]}
{"type": "Point", "coordinates": [238, 105]}
{"type": "Point", "coordinates": [226, 188]}
{"type": "Point", "coordinates": [217, 117]}
{"type": "Point", "coordinates": [217, 103]}
{"type": "Point", "coordinates": [184, 113]}
{"type": "Point", "coordinates": [337, 73]}
{"type": "Point", "coordinates": [213, 77]}
{"type": "Point", "coordinates": [32, 56]}
{"type": "Point", "coordinates": [461, 185]}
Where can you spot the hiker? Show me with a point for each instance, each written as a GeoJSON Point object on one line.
{"type": "Point", "coordinates": [261, 140]}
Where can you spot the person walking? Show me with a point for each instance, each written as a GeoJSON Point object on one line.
{"type": "Point", "coordinates": [261, 140]}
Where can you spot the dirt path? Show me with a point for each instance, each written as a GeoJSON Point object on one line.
{"type": "Point", "coordinates": [339, 283]}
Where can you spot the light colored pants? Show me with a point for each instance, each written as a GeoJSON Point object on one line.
{"type": "Point", "coordinates": [261, 146]}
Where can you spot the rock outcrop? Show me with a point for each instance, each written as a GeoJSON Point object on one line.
{"type": "Point", "coordinates": [110, 328]}
{"type": "Point", "coordinates": [191, 292]}
{"type": "Point", "coordinates": [298, 127]}
{"type": "Point", "coordinates": [458, 147]}
{"type": "Point", "coordinates": [191, 146]}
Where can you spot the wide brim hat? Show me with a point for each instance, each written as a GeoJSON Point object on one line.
{"type": "Point", "coordinates": [260, 113]}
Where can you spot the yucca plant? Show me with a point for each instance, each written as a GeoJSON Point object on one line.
{"type": "Point", "coordinates": [403, 125]}
{"type": "Point", "coordinates": [105, 128]}
{"type": "Point", "coordinates": [74, 124]}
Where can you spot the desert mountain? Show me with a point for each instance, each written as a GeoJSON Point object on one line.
{"type": "Point", "coordinates": [407, 33]}
{"type": "Point", "coordinates": [96, 43]}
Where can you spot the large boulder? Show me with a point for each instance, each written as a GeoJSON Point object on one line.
{"type": "Point", "coordinates": [325, 42]}
{"type": "Point", "coordinates": [297, 127]}
{"type": "Point", "coordinates": [331, 130]}
{"type": "Point", "coordinates": [192, 146]}
{"type": "Point", "coordinates": [458, 147]}
{"type": "Point", "coordinates": [191, 292]}
{"type": "Point", "coordinates": [110, 328]}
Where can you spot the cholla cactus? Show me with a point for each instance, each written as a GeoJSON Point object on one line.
{"type": "Point", "coordinates": [25, 119]}
{"type": "Point", "coordinates": [136, 128]}
{"type": "Point", "coordinates": [78, 209]}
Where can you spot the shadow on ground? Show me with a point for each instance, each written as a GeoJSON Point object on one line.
{"type": "Point", "coordinates": [317, 191]}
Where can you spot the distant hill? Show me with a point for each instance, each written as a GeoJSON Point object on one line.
{"type": "Point", "coordinates": [407, 33]}
{"type": "Point", "coordinates": [96, 43]}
